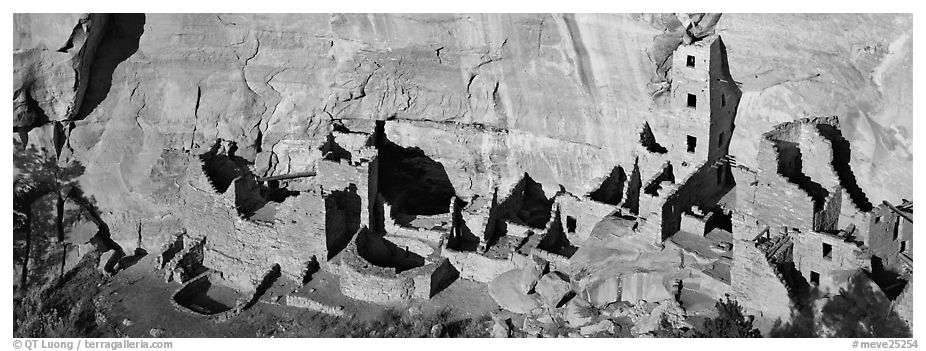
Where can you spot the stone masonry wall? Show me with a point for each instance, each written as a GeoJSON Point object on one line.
{"type": "Point", "coordinates": [779, 202]}
{"type": "Point", "coordinates": [756, 284]}
{"type": "Point", "coordinates": [844, 256]}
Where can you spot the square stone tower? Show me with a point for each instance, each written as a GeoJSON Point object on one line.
{"type": "Point", "coordinates": [705, 98]}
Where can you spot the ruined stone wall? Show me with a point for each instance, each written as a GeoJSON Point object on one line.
{"type": "Point", "coordinates": [474, 266]}
{"type": "Point", "coordinates": [382, 287]}
{"type": "Point", "coordinates": [817, 155]}
{"type": "Point", "coordinates": [903, 304]}
{"type": "Point", "coordinates": [827, 219]}
{"type": "Point", "coordinates": [888, 230]}
{"type": "Point", "coordinates": [845, 256]}
{"type": "Point", "coordinates": [850, 215]}
{"type": "Point", "coordinates": [779, 202]}
{"type": "Point", "coordinates": [756, 283]}
{"type": "Point", "coordinates": [245, 250]}
{"type": "Point", "coordinates": [580, 215]}
{"type": "Point", "coordinates": [699, 189]}
{"type": "Point", "coordinates": [694, 224]}
{"type": "Point", "coordinates": [418, 240]}
{"type": "Point", "coordinates": [365, 280]}
{"type": "Point", "coordinates": [339, 176]}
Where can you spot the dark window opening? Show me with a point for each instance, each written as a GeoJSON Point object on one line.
{"type": "Point", "coordinates": [570, 224]}
{"type": "Point", "coordinates": [814, 278]}
{"type": "Point", "coordinates": [723, 100]}
{"type": "Point", "coordinates": [878, 219]}
{"type": "Point", "coordinates": [720, 140]}
{"type": "Point", "coordinates": [903, 246]}
{"type": "Point", "coordinates": [827, 251]}
{"type": "Point", "coordinates": [692, 101]}
{"type": "Point", "coordinates": [690, 62]}
{"type": "Point", "coordinates": [692, 143]}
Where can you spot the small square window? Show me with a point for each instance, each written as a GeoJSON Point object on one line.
{"type": "Point", "coordinates": [692, 101]}
{"type": "Point", "coordinates": [690, 61]}
{"type": "Point", "coordinates": [814, 278]}
{"type": "Point", "coordinates": [692, 143]}
{"type": "Point", "coordinates": [827, 251]}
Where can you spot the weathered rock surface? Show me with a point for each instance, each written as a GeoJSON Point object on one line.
{"type": "Point", "coordinates": [647, 287]}
{"type": "Point", "coordinates": [603, 292]}
{"type": "Point", "coordinates": [506, 291]}
{"type": "Point", "coordinates": [501, 328]}
{"type": "Point", "coordinates": [578, 312]}
{"type": "Point", "coordinates": [604, 326]}
{"type": "Point", "coordinates": [668, 310]}
{"type": "Point", "coordinates": [552, 288]}
{"type": "Point", "coordinates": [531, 273]}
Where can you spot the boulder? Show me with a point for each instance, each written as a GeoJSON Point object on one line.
{"type": "Point", "coordinates": [501, 328]}
{"type": "Point", "coordinates": [644, 287]}
{"type": "Point", "coordinates": [669, 310]}
{"type": "Point", "coordinates": [156, 332]}
{"type": "Point", "coordinates": [602, 292]}
{"type": "Point", "coordinates": [533, 269]}
{"type": "Point", "coordinates": [532, 327]}
{"type": "Point", "coordinates": [552, 288]}
{"type": "Point", "coordinates": [605, 326]}
{"type": "Point", "coordinates": [579, 312]}
{"type": "Point", "coordinates": [506, 293]}
{"type": "Point", "coordinates": [437, 330]}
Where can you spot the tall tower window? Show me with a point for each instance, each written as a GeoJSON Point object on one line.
{"type": "Point", "coordinates": [692, 143]}
{"type": "Point", "coordinates": [692, 101]}
{"type": "Point", "coordinates": [690, 61]}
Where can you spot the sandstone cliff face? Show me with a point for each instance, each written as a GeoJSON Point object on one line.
{"type": "Point", "coordinates": [562, 97]}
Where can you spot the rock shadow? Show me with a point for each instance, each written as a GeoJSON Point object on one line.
{"type": "Point", "coordinates": [119, 42]}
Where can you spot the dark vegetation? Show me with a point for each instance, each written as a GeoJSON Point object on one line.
{"type": "Point", "coordinates": [731, 322]}
{"type": "Point", "coordinates": [391, 323]}
{"type": "Point", "coordinates": [63, 307]}
{"type": "Point", "coordinates": [858, 311]}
